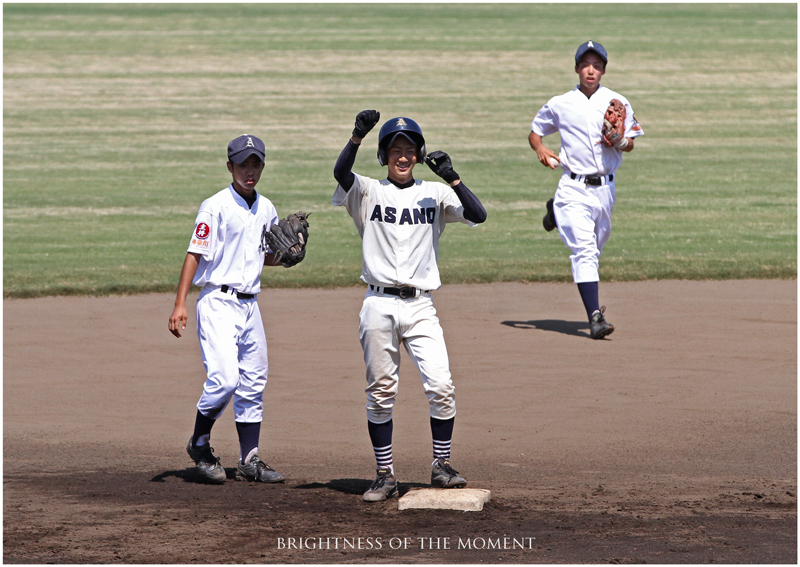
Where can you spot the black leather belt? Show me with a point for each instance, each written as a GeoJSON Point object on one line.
{"type": "Point", "coordinates": [405, 292]}
{"type": "Point", "coordinates": [239, 294]}
{"type": "Point", "coordinates": [595, 180]}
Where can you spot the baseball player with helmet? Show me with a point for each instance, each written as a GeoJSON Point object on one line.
{"type": "Point", "coordinates": [400, 220]}
{"type": "Point", "coordinates": [596, 126]}
{"type": "Point", "coordinates": [236, 233]}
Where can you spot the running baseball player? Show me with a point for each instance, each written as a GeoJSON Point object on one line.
{"type": "Point", "coordinates": [596, 126]}
{"type": "Point", "coordinates": [400, 220]}
{"type": "Point", "coordinates": [228, 249]}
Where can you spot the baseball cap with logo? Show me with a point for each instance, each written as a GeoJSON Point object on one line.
{"type": "Point", "coordinates": [591, 46]}
{"type": "Point", "coordinates": [244, 146]}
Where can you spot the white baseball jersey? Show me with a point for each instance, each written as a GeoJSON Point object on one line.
{"type": "Point", "coordinates": [583, 212]}
{"type": "Point", "coordinates": [579, 121]}
{"type": "Point", "coordinates": [400, 228]}
{"type": "Point", "coordinates": [400, 231]}
{"type": "Point", "coordinates": [228, 234]}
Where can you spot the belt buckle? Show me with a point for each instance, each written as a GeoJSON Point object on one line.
{"type": "Point", "coordinates": [595, 180]}
{"type": "Point", "coordinates": [407, 292]}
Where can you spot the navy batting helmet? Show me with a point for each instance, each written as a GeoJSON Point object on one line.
{"type": "Point", "coordinates": [395, 127]}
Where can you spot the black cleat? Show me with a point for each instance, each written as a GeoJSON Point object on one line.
{"type": "Point", "coordinates": [384, 487]}
{"type": "Point", "coordinates": [444, 476]}
{"type": "Point", "coordinates": [549, 220]}
{"type": "Point", "coordinates": [207, 464]}
{"type": "Point", "coordinates": [599, 327]}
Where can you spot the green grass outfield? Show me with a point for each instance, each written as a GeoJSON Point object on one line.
{"type": "Point", "coordinates": [116, 120]}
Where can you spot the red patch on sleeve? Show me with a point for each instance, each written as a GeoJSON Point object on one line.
{"type": "Point", "coordinates": [202, 231]}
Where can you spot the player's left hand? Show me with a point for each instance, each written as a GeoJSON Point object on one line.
{"type": "Point", "coordinates": [287, 239]}
{"type": "Point", "coordinates": [440, 164]}
{"type": "Point", "coordinates": [614, 125]}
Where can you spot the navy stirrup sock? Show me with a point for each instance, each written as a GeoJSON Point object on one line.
{"type": "Point", "coordinates": [381, 436]}
{"type": "Point", "coordinates": [202, 428]}
{"type": "Point", "coordinates": [442, 433]}
{"type": "Point", "coordinates": [248, 437]}
{"type": "Point", "coordinates": [589, 295]}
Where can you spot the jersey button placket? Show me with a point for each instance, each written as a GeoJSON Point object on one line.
{"type": "Point", "coordinates": [592, 130]}
{"type": "Point", "coordinates": [402, 256]}
{"type": "Point", "coordinates": [250, 245]}
{"type": "Point", "coordinates": [401, 261]}
{"type": "Point", "coordinates": [406, 239]}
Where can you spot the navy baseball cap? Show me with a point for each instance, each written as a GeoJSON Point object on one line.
{"type": "Point", "coordinates": [591, 46]}
{"type": "Point", "coordinates": [244, 146]}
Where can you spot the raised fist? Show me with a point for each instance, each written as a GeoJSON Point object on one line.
{"type": "Point", "coordinates": [365, 121]}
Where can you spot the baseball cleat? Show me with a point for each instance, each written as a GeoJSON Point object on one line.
{"type": "Point", "coordinates": [384, 487]}
{"type": "Point", "coordinates": [207, 464]}
{"type": "Point", "coordinates": [599, 327]}
{"type": "Point", "coordinates": [549, 219]}
{"type": "Point", "coordinates": [256, 470]}
{"type": "Point", "coordinates": [444, 476]}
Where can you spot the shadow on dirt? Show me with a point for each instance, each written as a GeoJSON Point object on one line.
{"type": "Point", "coordinates": [343, 485]}
{"type": "Point", "coordinates": [357, 485]}
{"type": "Point", "coordinates": [574, 328]}
{"type": "Point", "coordinates": [191, 475]}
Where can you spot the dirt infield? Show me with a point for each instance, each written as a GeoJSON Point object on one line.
{"type": "Point", "coordinates": [674, 441]}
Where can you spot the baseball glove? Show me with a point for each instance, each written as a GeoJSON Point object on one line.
{"type": "Point", "coordinates": [287, 239]}
{"type": "Point", "coordinates": [614, 123]}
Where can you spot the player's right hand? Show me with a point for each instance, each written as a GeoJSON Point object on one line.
{"type": "Point", "coordinates": [548, 158]}
{"type": "Point", "coordinates": [365, 121]}
{"type": "Point", "coordinates": [177, 321]}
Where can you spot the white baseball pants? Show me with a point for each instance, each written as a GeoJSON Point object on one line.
{"type": "Point", "coordinates": [386, 322]}
{"type": "Point", "coordinates": [234, 349]}
{"type": "Point", "coordinates": [583, 216]}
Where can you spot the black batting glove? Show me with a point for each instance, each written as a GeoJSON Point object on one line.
{"type": "Point", "coordinates": [365, 121]}
{"type": "Point", "coordinates": [440, 164]}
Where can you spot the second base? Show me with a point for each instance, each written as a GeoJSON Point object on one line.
{"type": "Point", "coordinates": [465, 499]}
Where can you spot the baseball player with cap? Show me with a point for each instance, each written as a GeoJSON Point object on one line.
{"type": "Point", "coordinates": [225, 258]}
{"type": "Point", "coordinates": [584, 199]}
{"type": "Point", "coordinates": [400, 220]}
